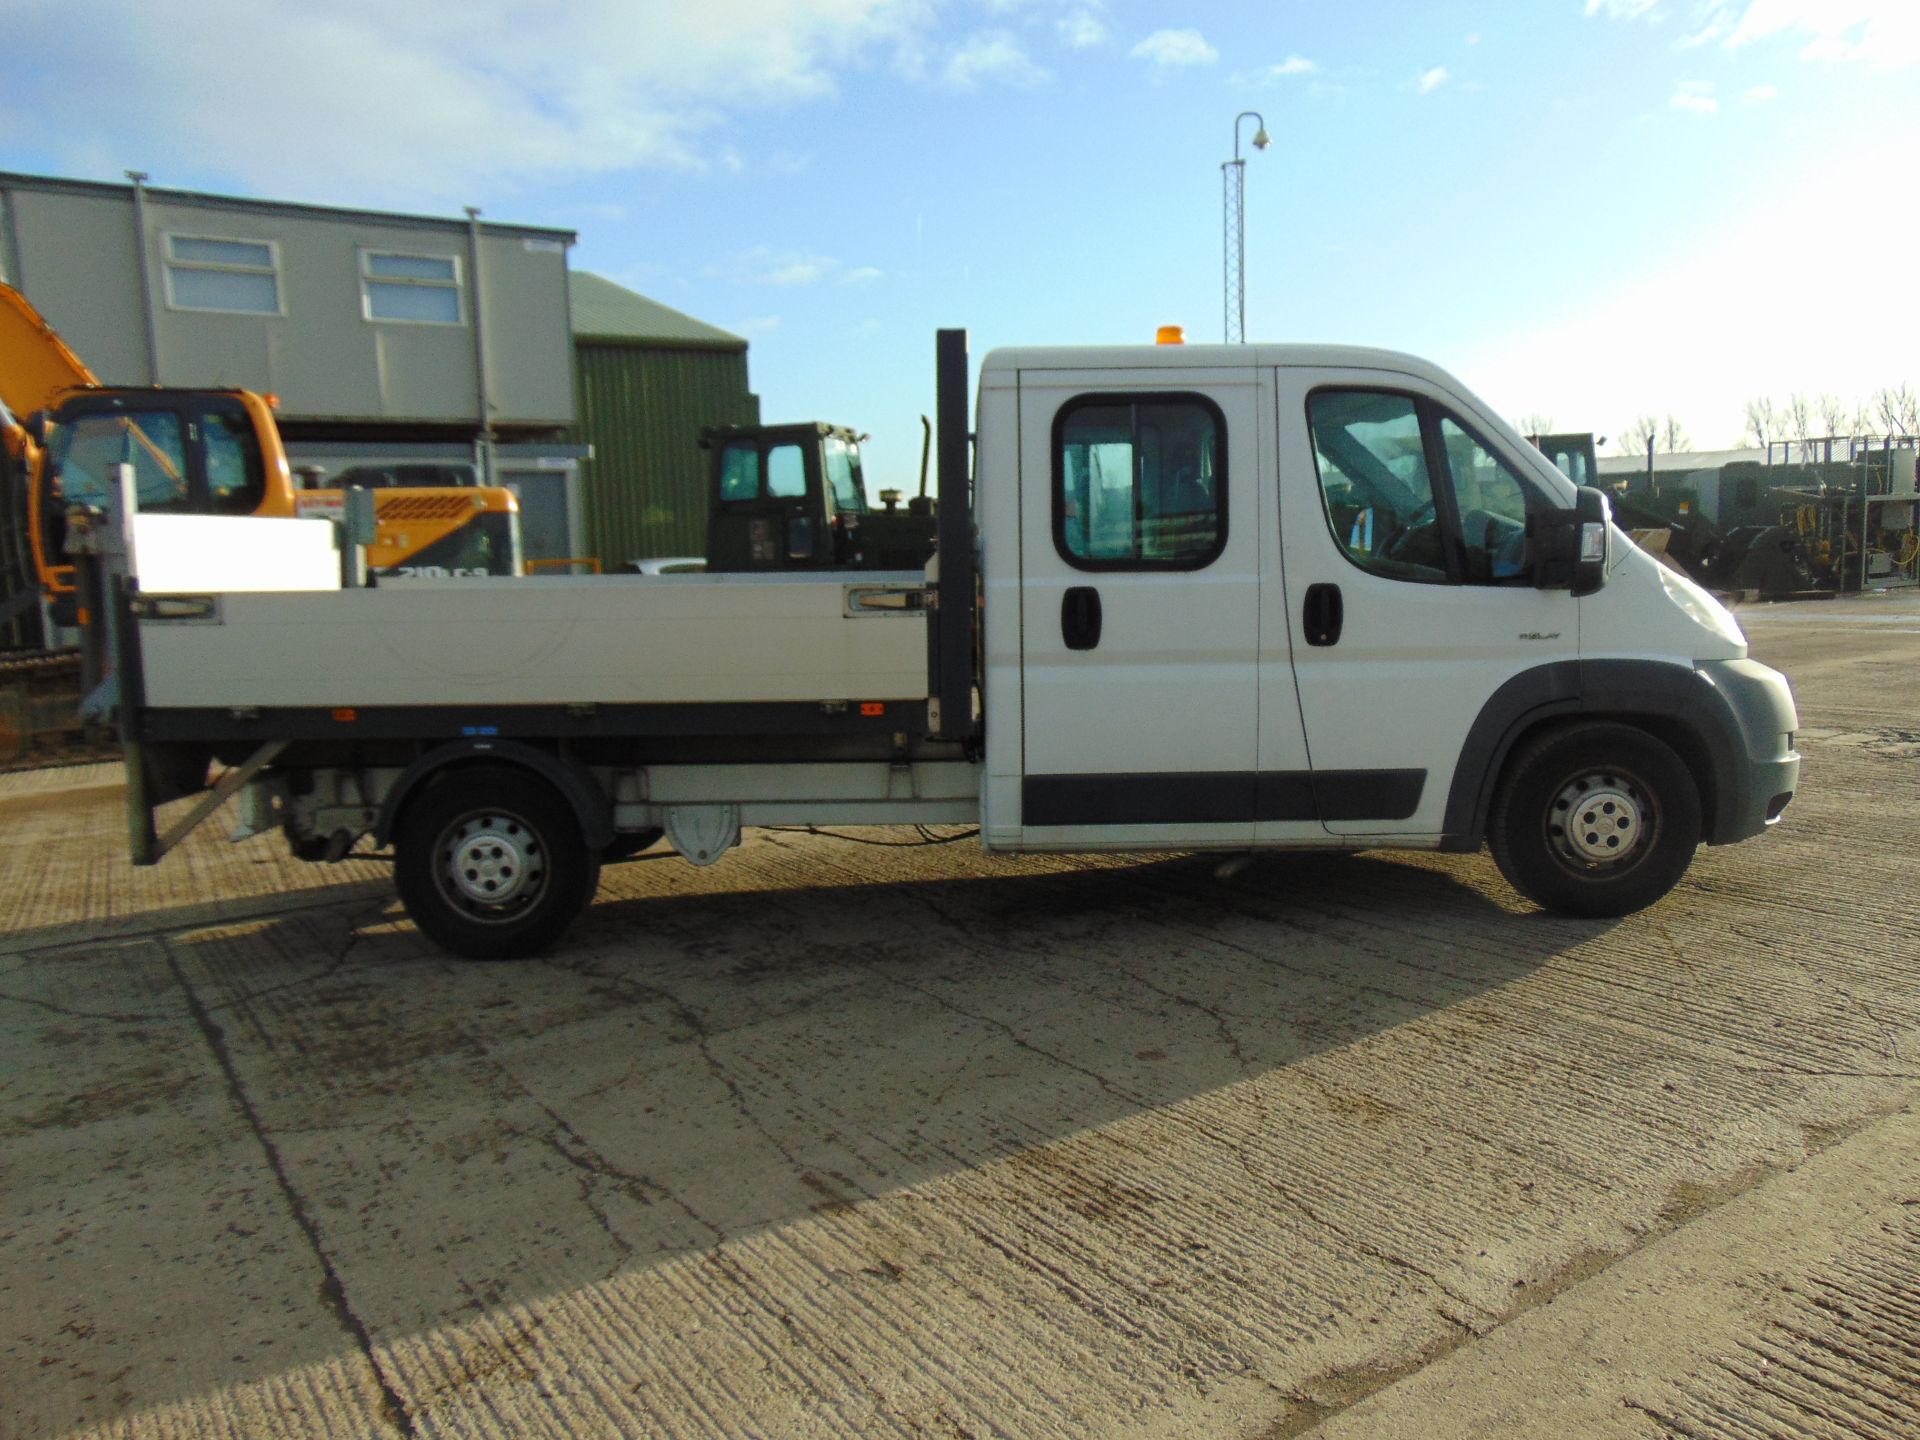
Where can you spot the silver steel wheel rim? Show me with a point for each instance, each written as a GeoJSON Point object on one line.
{"type": "Point", "coordinates": [493, 865]}
{"type": "Point", "coordinates": [1601, 819]}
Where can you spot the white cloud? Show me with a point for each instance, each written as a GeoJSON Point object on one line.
{"type": "Point", "coordinates": [1166, 49]}
{"type": "Point", "coordinates": [429, 103]}
{"type": "Point", "coordinates": [1083, 30]}
{"type": "Point", "coordinates": [1760, 95]}
{"type": "Point", "coordinates": [1883, 34]}
{"type": "Point", "coordinates": [1294, 65]}
{"type": "Point", "coordinates": [1695, 96]}
{"type": "Point", "coordinates": [756, 325]}
{"type": "Point", "coordinates": [992, 55]}
{"type": "Point", "coordinates": [763, 265]}
{"type": "Point", "coordinates": [1432, 80]}
{"type": "Point", "coordinates": [796, 272]}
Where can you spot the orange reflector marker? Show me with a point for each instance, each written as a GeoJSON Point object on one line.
{"type": "Point", "coordinates": [872, 707]}
{"type": "Point", "coordinates": [1170, 335]}
{"type": "Point", "coordinates": [273, 400]}
{"type": "Point", "coordinates": [83, 617]}
{"type": "Point", "coordinates": [346, 716]}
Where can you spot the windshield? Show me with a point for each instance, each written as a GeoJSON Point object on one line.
{"type": "Point", "coordinates": [85, 448]}
{"type": "Point", "coordinates": [843, 474]}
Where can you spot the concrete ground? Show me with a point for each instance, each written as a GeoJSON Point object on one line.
{"type": "Point", "coordinates": [834, 1139]}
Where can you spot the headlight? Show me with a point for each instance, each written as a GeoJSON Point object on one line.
{"type": "Point", "coordinates": [1705, 611]}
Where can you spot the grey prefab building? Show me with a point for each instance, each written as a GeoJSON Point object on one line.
{"type": "Point", "coordinates": [353, 319]}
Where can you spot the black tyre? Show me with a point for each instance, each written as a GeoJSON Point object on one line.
{"type": "Point", "coordinates": [1598, 820]}
{"type": "Point", "coordinates": [491, 865]}
{"type": "Point", "coordinates": [630, 843]}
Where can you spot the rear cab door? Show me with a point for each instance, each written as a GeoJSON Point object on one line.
{"type": "Point", "coordinates": [1139, 543]}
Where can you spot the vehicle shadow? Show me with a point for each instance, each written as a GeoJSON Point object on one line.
{"type": "Point", "coordinates": [691, 1069]}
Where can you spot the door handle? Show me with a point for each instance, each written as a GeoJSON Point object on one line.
{"type": "Point", "coordinates": [1080, 617]}
{"type": "Point", "coordinates": [1323, 614]}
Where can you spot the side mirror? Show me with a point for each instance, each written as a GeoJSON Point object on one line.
{"type": "Point", "coordinates": [800, 537]}
{"type": "Point", "coordinates": [1570, 549]}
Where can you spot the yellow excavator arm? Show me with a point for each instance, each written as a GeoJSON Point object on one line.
{"type": "Point", "coordinates": [36, 365]}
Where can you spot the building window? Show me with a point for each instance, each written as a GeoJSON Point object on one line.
{"type": "Point", "coordinates": [235, 277]}
{"type": "Point", "coordinates": [1139, 482]}
{"type": "Point", "coordinates": [421, 289]}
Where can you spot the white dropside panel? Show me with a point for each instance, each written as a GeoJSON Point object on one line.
{"type": "Point", "coordinates": [202, 553]}
{"type": "Point", "coordinates": [543, 640]}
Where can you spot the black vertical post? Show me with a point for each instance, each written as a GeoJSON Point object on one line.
{"type": "Point", "coordinates": [951, 635]}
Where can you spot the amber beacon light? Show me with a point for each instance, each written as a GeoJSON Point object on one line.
{"type": "Point", "coordinates": [1170, 335]}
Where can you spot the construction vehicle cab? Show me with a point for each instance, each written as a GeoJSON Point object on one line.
{"type": "Point", "coordinates": [793, 497]}
{"type": "Point", "coordinates": [211, 452]}
{"type": "Point", "coordinates": [1573, 454]}
{"type": "Point", "coordinates": [194, 452]}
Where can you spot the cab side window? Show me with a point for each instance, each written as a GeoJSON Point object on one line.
{"type": "Point", "coordinates": [235, 478]}
{"type": "Point", "coordinates": [740, 473]}
{"type": "Point", "coordinates": [1374, 482]}
{"type": "Point", "coordinates": [1492, 504]}
{"type": "Point", "coordinates": [1411, 493]}
{"type": "Point", "coordinates": [1139, 482]}
{"type": "Point", "coordinates": [786, 473]}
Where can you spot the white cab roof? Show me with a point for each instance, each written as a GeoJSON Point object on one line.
{"type": "Point", "coordinates": [1208, 357]}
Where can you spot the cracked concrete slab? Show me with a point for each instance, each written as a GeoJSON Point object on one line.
{"type": "Point", "coordinates": [831, 1139]}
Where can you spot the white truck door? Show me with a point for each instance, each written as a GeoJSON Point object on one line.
{"type": "Point", "coordinates": [1404, 525]}
{"type": "Point", "coordinates": [1140, 619]}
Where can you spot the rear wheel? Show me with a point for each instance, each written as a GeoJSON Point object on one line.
{"type": "Point", "coordinates": [491, 864]}
{"type": "Point", "coordinates": [1598, 820]}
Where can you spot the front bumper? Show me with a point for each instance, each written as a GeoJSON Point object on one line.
{"type": "Point", "coordinates": [1765, 770]}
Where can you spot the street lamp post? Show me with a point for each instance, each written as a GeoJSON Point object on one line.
{"type": "Point", "coordinates": [1233, 178]}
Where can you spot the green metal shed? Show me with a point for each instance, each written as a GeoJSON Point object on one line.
{"type": "Point", "coordinates": [647, 380]}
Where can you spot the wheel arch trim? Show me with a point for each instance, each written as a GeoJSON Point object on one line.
{"type": "Point", "coordinates": [590, 804]}
{"type": "Point", "coordinates": [1683, 702]}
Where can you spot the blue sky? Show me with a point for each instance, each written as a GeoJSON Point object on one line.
{"type": "Point", "coordinates": [1589, 210]}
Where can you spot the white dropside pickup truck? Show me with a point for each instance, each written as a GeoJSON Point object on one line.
{"type": "Point", "coordinates": [1184, 598]}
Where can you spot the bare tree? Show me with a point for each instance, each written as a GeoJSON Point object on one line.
{"type": "Point", "coordinates": [1835, 418]}
{"type": "Point", "coordinates": [1763, 421]}
{"type": "Point", "coordinates": [1799, 418]}
{"type": "Point", "coordinates": [1633, 438]}
{"type": "Point", "coordinates": [1533, 424]}
{"type": "Point", "coordinates": [1898, 409]}
{"type": "Point", "coordinates": [1673, 437]}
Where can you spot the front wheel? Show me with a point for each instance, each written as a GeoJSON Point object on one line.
{"type": "Point", "coordinates": [1599, 820]}
{"type": "Point", "coordinates": [491, 864]}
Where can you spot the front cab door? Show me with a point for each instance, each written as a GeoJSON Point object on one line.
{"type": "Point", "coordinates": [1406, 572]}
